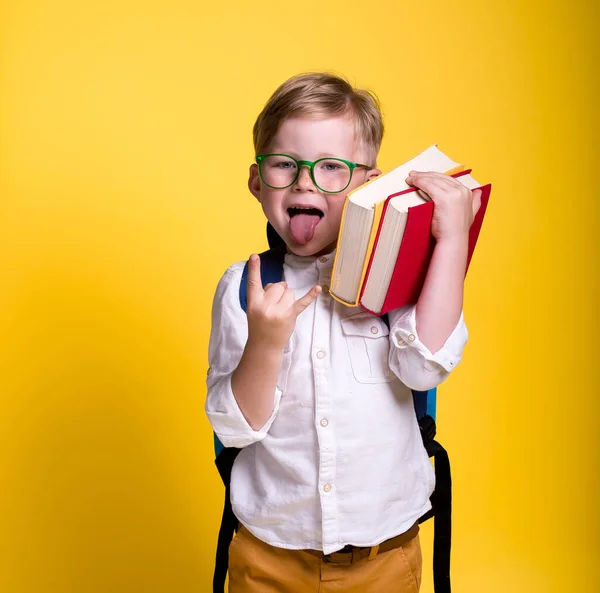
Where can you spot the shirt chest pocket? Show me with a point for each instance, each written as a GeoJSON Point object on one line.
{"type": "Point", "coordinates": [368, 343]}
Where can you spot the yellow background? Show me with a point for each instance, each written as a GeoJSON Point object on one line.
{"type": "Point", "coordinates": [125, 138]}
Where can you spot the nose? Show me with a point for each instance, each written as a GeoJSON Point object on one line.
{"type": "Point", "coordinates": [304, 183]}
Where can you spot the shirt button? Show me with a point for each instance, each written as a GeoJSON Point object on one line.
{"type": "Point", "coordinates": [374, 330]}
{"type": "Point", "coordinates": [400, 338]}
{"type": "Point", "coordinates": [320, 354]}
{"type": "Point", "coordinates": [327, 488]}
{"type": "Point", "coordinates": [324, 422]}
{"type": "Point", "coordinates": [411, 337]}
{"type": "Point", "coordinates": [325, 288]}
{"type": "Point", "coordinates": [322, 259]}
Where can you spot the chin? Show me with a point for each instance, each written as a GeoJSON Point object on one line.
{"type": "Point", "coordinates": [312, 248]}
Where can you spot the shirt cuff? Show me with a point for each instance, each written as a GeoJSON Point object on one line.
{"type": "Point", "coordinates": [228, 422]}
{"type": "Point", "coordinates": [404, 335]}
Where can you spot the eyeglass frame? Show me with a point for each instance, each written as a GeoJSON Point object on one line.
{"type": "Point", "coordinates": [311, 167]}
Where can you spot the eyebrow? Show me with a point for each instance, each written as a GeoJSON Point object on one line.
{"type": "Point", "coordinates": [321, 155]}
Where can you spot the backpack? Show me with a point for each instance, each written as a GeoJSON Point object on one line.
{"type": "Point", "coordinates": [271, 268]}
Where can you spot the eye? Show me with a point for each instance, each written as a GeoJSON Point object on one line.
{"type": "Point", "coordinates": [282, 164]}
{"type": "Point", "coordinates": [331, 166]}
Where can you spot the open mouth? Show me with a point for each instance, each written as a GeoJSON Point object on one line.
{"type": "Point", "coordinates": [303, 222]}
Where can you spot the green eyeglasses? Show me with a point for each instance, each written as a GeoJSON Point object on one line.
{"type": "Point", "coordinates": [330, 175]}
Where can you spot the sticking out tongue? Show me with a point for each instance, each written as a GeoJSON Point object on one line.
{"type": "Point", "coordinates": [303, 226]}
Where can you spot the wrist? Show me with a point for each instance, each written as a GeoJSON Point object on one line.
{"type": "Point", "coordinates": [267, 349]}
{"type": "Point", "coordinates": [456, 242]}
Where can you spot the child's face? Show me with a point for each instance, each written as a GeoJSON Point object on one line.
{"type": "Point", "coordinates": [314, 232]}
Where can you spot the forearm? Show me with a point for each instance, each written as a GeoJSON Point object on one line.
{"type": "Point", "coordinates": [254, 382]}
{"type": "Point", "coordinates": [441, 300]}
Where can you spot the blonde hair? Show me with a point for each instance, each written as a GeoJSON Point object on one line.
{"type": "Point", "coordinates": [322, 94]}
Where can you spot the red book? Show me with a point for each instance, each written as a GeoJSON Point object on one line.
{"type": "Point", "coordinates": [379, 293]}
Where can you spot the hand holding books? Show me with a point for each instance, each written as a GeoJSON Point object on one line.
{"type": "Point", "coordinates": [455, 204]}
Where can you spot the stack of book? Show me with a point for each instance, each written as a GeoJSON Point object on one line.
{"type": "Point", "coordinates": [385, 242]}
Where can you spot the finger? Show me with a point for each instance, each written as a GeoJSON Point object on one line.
{"type": "Point", "coordinates": [288, 298]}
{"type": "Point", "coordinates": [430, 185]}
{"type": "Point", "coordinates": [414, 179]}
{"type": "Point", "coordinates": [433, 173]}
{"type": "Point", "coordinates": [437, 184]}
{"type": "Point", "coordinates": [302, 303]}
{"type": "Point", "coordinates": [283, 283]}
{"type": "Point", "coordinates": [275, 292]}
{"type": "Point", "coordinates": [476, 201]}
{"type": "Point", "coordinates": [254, 285]}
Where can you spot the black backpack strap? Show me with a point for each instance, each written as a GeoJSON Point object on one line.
{"type": "Point", "coordinates": [441, 500]}
{"type": "Point", "coordinates": [273, 237]}
{"type": "Point", "coordinates": [229, 522]}
{"type": "Point", "coordinates": [441, 511]}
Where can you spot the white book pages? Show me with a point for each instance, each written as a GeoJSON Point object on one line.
{"type": "Point", "coordinates": [378, 189]}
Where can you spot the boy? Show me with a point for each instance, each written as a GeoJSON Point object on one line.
{"type": "Point", "coordinates": [333, 476]}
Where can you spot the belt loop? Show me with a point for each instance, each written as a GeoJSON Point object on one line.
{"type": "Point", "coordinates": [373, 552]}
{"type": "Point", "coordinates": [355, 555]}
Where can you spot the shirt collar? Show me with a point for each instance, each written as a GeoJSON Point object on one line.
{"type": "Point", "coordinates": [308, 261]}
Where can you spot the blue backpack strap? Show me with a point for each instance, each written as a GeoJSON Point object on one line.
{"type": "Point", "coordinates": [218, 445]}
{"type": "Point", "coordinates": [425, 403]}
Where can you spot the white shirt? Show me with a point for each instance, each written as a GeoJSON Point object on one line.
{"type": "Point", "coordinates": [340, 461]}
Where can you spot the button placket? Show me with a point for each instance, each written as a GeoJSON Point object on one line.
{"type": "Point", "coordinates": [322, 356]}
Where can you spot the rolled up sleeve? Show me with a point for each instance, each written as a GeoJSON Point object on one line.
{"type": "Point", "coordinates": [228, 336]}
{"type": "Point", "coordinates": [412, 362]}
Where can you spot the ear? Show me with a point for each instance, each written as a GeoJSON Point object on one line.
{"type": "Point", "coordinates": [372, 174]}
{"type": "Point", "coordinates": [254, 181]}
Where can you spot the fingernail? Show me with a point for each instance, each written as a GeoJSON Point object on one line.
{"type": "Point", "coordinates": [253, 257]}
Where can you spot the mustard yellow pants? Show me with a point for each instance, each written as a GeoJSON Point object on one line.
{"type": "Point", "coordinates": [256, 567]}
